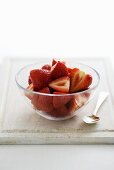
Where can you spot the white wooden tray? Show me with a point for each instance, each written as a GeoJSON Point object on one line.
{"type": "Point", "coordinates": [19, 124]}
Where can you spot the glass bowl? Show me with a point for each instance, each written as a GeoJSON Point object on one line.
{"type": "Point", "coordinates": [56, 106]}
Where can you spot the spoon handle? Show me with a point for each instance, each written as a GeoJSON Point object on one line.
{"type": "Point", "coordinates": [101, 99]}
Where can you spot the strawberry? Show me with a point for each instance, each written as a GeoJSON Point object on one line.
{"type": "Point", "coordinates": [29, 94]}
{"type": "Point", "coordinates": [30, 87]}
{"type": "Point", "coordinates": [59, 70]}
{"type": "Point", "coordinates": [61, 84]}
{"type": "Point", "coordinates": [29, 80]}
{"type": "Point", "coordinates": [75, 77]}
{"type": "Point", "coordinates": [60, 112]}
{"type": "Point", "coordinates": [57, 92]}
{"type": "Point", "coordinates": [81, 99]}
{"type": "Point", "coordinates": [40, 78]}
{"type": "Point", "coordinates": [54, 62]}
{"type": "Point", "coordinates": [43, 102]}
{"type": "Point", "coordinates": [59, 101]}
{"type": "Point", "coordinates": [69, 69]}
{"type": "Point", "coordinates": [46, 67]}
{"type": "Point", "coordinates": [72, 105]}
{"type": "Point", "coordinates": [84, 83]}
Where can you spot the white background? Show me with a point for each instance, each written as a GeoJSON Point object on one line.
{"type": "Point", "coordinates": [56, 28]}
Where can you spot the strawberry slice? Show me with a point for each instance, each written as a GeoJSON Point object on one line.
{"type": "Point", "coordinates": [40, 78]}
{"type": "Point", "coordinates": [75, 77]}
{"type": "Point", "coordinates": [29, 80]}
{"type": "Point", "coordinates": [59, 101]}
{"type": "Point", "coordinates": [72, 105]}
{"type": "Point", "coordinates": [61, 84]}
{"type": "Point", "coordinates": [47, 67]}
{"type": "Point", "coordinates": [60, 112]}
{"type": "Point", "coordinates": [57, 92]}
{"type": "Point", "coordinates": [84, 83]}
{"type": "Point", "coordinates": [69, 69]}
{"type": "Point", "coordinates": [59, 70]}
{"type": "Point", "coordinates": [42, 101]}
{"type": "Point", "coordinates": [54, 62]}
{"type": "Point", "coordinates": [29, 95]}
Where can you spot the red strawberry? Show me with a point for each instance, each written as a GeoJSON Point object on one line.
{"type": "Point", "coordinates": [59, 70]}
{"type": "Point", "coordinates": [40, 78]}
{"type": "Point", "coordinates": [81, 99]}
{"type": "Point", "coordinates": [72, 105]}
{"type": "Point", "coordinates": [57, 92]}
{"type": "Point", "coordinates": [30, 94]}
{"type": "Point", "coordinates": [59, 101]}
{"type": "Point", "coordinates": [29, 80]}
{"type": "Point", "coordinates": [54, 62]}
{"type": "Point", "coordinates": [84, 83]}
{"type": "Point", "coordinates": [43, 102]}
{"type": "Point", "coordinates": [69, 69]}
{"type": "Point", "coordinates": [75, 77]}
{"type": "Point", "coordinates": [47, 67]}
{"type": "Point", "coordinates": [60, 112]}
{"type": "Point", "coordinates": [30, 87]}
{"type": "Point", "coordinates": [61, 84]}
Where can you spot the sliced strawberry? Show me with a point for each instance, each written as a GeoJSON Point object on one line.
{"type": "Point", "coordinates": [59, 70]}
{"type": "Point", "coordinates": [30, 87]}
{"type": "Point", "coordinates": [47, 67]}
{"type": "Point", "coordinates": [84, 83]}
{"type": "Point", "coordinates": [72, 105]}
{"type": "Point", "coordinates": [29, 80]}
{"type": "Point", "coordinates": [81, 99]}
{"type": "Point", "coordinates": [29, 94]}
{"type": "Point", "coordinates": [60, 112]}
{"type": "Point", "coordinates": [40, 78]}
{"type": "Point", "coordinates": [43, 102]}
{"type": "Point", "coordinates": [61, 84]}
{"type": "Point", "coordinates": [69, 69]}
{"type": "Point", "coordinates": [59, 101]}
{"type": "Point", "coordinates": [76, 76]}
{"type": "Point", "coordinates": [57, 92]}
{"type": "Point", "coordinates": [54, 62]}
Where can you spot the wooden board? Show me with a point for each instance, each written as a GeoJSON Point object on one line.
{"type": "Point", "coordinates": [19, 124]}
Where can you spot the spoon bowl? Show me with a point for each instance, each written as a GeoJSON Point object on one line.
{"type": "Point", "coordinates": [94, 118]}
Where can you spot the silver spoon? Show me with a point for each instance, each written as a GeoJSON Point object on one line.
{"type": "Point", "coordinates": [94, 118]}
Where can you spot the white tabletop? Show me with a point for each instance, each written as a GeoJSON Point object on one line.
{"type": "Point", "coordinates": [61, 157]}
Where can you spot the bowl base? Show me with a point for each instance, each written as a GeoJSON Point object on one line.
{"type": "Point", "coordinates": [43, 114]}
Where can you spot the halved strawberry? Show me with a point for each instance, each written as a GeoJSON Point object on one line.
{"type": "Point", "coordinates": [46, 67]}
{"type": "Point", "coordinates": [61, 84]}
{"type": "Point", "coordinates": [72, 105]}
{"type": "Point", "coordinates": [57, 92]}
{"type": "Point", "coordinates": [81, 99]}
{"type": "Point", "coordinates": [84, 83]}
{"type": "Point", "coordinates": [69, 69]}
{"type": "Point", "coordinates": [29, 80]}
{"type": "Point", "coordinates": [76, 76]}
{"type": "Point", "coordinates": [54, 62]}
{"type": "Point", "coordinates": [59, 101]}
{"type": "Point", "coordinates": [59, 70]}
{"type": "Point", "coordinates": [60, 112]}
{"type": "Point", "coordinates": [30, 87]}
{"type": "Point", "coordinates": [43, 102]}
{"type": "Point", "coordinates": [40, 78]}
{"type": "Point", "coordinates": [29, 94]}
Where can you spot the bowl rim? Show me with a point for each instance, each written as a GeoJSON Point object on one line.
{"type": "Point", "coordinates": [46, 94]}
